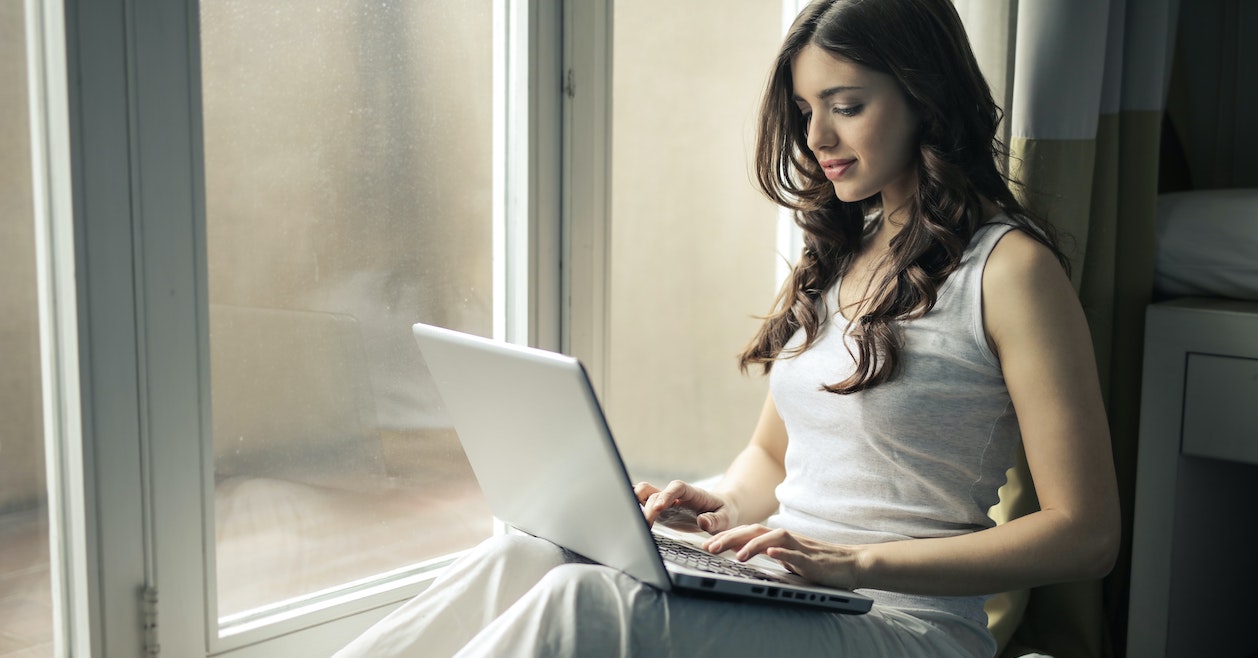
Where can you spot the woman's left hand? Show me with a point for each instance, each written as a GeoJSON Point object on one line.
{"type": "Point", "coordinates": [820, 562]}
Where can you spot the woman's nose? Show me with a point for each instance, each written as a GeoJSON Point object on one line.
{"type": "Point", "coordinates": [820, 135]}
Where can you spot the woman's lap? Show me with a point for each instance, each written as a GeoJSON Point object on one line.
{"type": "Point", "coordinates": [521, 596]}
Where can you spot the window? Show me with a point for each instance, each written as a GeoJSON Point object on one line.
{"type": "Point", "coordinates": [256, 234]}
{"type": "Point", "coordinates": [26, 608]}
{"type": "Point", "coordinates": [266, 200]}
{"type": "Point", "coordinates": [349, 177]}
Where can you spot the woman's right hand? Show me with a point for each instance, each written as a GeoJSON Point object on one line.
{"type": "Point", "coordinates": [713, 512]}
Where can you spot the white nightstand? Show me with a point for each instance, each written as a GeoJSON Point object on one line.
{"type": "Point", "coordinates": [1194, 575]}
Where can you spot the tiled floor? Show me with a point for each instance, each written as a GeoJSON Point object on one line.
{"type": "Point", "coordinates": [277, 539]}
{"type": "Point", "coordinates": [25, 589]}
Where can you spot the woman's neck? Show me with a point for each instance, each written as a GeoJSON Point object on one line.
{"type": "Point", "coordinates": [889, 224]}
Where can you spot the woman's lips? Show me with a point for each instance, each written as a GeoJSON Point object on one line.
{"type": "Point", "coordinates": [834, 168]}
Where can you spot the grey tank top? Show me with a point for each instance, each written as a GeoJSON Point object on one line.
{"type": "Point", "coordinates": [921, 455]}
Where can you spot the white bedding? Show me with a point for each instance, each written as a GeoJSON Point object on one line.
{"type": "Point", "coordinates": [1207, 244]}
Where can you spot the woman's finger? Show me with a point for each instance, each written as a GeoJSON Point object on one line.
{"type": "Point", "coordinates": [771, 538]}
{"type": "Point", "coordinates": [794, 560]}
{"type": "Point", "coordinates": [713, 522]}
{"type": "Point", "coordinates": [677, 491]}
{"type": "Point", "coordinates": [734, 538]}
{"type": "Point", "coordinates": [764, 541]}
{"type": "Point", "coordinates": [643, 490]}
{"type": "Point", "coordinates": [656, 503]}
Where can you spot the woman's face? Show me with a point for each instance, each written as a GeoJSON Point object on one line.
{"type": "Point", "coordinates": [860, 126]}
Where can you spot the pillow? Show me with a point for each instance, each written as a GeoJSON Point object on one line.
{"type": "Point", "coordinates": [1207, 244]}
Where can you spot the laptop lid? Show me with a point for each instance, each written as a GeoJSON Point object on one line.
{"type": "Point", "coordinates": [540, 448]}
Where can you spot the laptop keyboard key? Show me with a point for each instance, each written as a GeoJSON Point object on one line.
{"type": "Point", "coordinates": [687, 555]}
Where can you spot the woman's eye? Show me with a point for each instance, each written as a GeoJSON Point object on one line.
{"type": "Point", "coordinates": [849, 111]}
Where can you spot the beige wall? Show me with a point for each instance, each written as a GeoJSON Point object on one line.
{"type": "Point", "coordinates": [692, 242]}
{"type": "Point", "coordinates": [21, 425]}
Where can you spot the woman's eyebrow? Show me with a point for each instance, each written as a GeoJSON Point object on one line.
{"type": "Point", "coordinates": [828, 92]}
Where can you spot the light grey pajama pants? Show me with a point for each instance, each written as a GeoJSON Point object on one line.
{"type": "Point", "coordinates": [518, 596]}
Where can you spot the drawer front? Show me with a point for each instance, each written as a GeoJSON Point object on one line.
{"type": "Point", "coordinates": [1221, 408]}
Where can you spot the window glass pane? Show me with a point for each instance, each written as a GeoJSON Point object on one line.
{"type": "Point", "coordinates": [348, 167]}
{"type": "Point", "coordinates": [26, 619]}
{"type": "Point", "coordinates": [692, 243]}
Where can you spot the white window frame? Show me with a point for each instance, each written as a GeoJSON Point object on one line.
{"type": "Point", "coordinates": [55, 267]}
{"type": "Point", "coordinates": [119, 134]}
{"type": "Point", "coordinates": [586, 172]}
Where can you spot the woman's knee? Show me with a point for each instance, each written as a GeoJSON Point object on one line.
{"type": "Point", "coordinates": [517, 547]}
{"type": "Point", "coordinates": [588, 586]}
{"type": "Point", "coordinates": [578, 573]}
{"type": "Point", "coordinates": [592, 610]}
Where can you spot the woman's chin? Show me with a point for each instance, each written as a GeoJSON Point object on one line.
{"type": "Point", "coordinates": [848, 194]}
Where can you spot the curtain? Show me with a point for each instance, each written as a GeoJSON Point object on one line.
{"type": "Point", "coordinates": [1083, 84]}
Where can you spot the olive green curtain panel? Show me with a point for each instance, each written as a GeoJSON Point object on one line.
{"type": "Point", "coordinates": [1083, 84]}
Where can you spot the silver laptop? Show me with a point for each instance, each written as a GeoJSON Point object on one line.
{"type": "Point", "coordinates": [541, 449]}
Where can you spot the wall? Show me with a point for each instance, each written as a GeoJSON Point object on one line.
{"type": "Point", "coordinates": [1213, 98]}
{"type": "Point", "coordinates": [692, 241]}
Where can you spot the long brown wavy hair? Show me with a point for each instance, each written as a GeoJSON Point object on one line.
{"type": "Point", "coordinates": [923, 45]}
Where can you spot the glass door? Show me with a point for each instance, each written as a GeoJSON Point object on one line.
{"type": "Point", "coordinates": [349, 192]}
{"type": "Point", "coordinates": [266, 196]}
{"type": "Point", "coordinates": [26, 602]}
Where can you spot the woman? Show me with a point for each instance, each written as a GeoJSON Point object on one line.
{"type": "Point", "coordinates": [926, 308]}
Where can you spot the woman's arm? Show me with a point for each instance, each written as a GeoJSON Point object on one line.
{"type": "Point", "coordinates": [745, 493]}
{"type": "Point", "coordinates": [1037, 327]}
{"type": "Point", "coordinates": [755, 473]}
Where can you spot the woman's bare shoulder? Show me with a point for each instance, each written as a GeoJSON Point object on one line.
{"type": "Point", "coordinates": [1024, 287]}
{"type": "Point", "coordinates": [1019, 259]}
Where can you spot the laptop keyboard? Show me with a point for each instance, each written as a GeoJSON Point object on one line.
{"type": "Point", "coordinates": [687, 555]}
